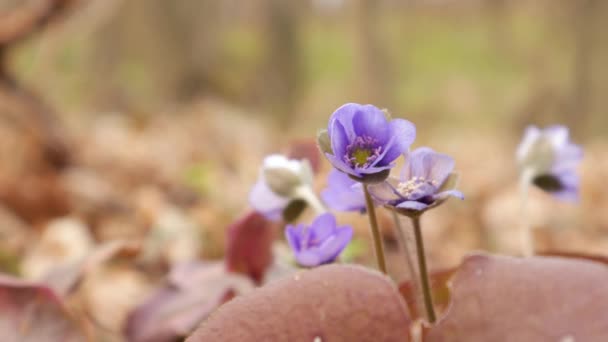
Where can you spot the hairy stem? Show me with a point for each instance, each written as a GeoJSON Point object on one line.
{"type": "Point", "coordinates": [373, 223]}
{"type": "Point", "coordinates": [409, 257]}
{"type": "Point", "coordinates": [424, 277]}
{"type": "Point", "coordinates": [305, 192]}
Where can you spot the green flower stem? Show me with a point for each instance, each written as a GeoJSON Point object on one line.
{"type": "Point", "coordinates": [373, 223]}
{"type": "Point", "coordinates": [527, 238]}
{"type": "Point", "coordinates": [424, 277]}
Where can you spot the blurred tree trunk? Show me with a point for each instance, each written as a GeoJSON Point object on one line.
{"type": "Point", "coordinates": [33, 189]}
{"type": "Point", "coordinates": [176, 41]}
{"type": "Point", "coordinates": [281, 76]}
{"type": "Point", "coordinates": [584, 23]}
{"type": "Point", "coordinates": [375, 83]}
{"type": "Point", "coordinates": [497, 14]}
{"type": "Point", "coordinates": [20, 105]}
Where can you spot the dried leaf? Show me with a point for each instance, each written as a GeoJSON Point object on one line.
{"type": "Point", "coordinates": [65, 279]}
{"type": "Point", "coordinates": [194, 291]}
{"type": "Point", "coordinates": [33, 313]}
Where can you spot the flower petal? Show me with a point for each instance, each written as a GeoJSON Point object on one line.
{"type": "Point", "coordinates": [293, 235]}
{"type": "Point", "coordinates": [385, 192]}
{"type": "Point", "coordinates": [309, 258]}
{"type": "Point", "coordinates": [332, 247]}
{"type": "Point", "coordinates": [266, 202]}
{"type": "Point", "coordinates": [323, 226]}
{"type": "Point", "coordinates": [414, 165]}
{"type": "Point", "coordinates": [441, 165]}
{"type": "Point", "coordinates": [567, 157]}
{"type": "Point", "coordinates": [557, 134]}
{"type": "Point", "coordinates": [373, 170]}
{"type": "Point", "coordinates": [449, 193]}
{"type": "Point", "coordinates": [341, 165]}
{"type": "Point", "coordinates": [570, 183]}
{"type": "Point", "coordinates": [342, 193]}
{"type": "Point", "coordinates": [339, 139]}
{"type": "Point", "coordinates": [428, 164]}
{"type": "Point", "coordinates": [412, 205]}
{"type": "Point", "coordinates": [370, 121]}
{"type": "Point", "coordinates": [531, 135]}
{"type": "Point", "coordinates": [344, 115]}
{"type": "Point", "coordinates": [450, 182]}
{"type": "Point", "coordinates": [279, 161]}
{"type": "Point", "coordinates": [403, 134]}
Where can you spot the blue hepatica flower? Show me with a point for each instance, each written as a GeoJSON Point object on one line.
{"type": "Point", "coordinates": [548, 159]}
{"type": "Point", "coordinates": [279, 182]}
{"type": "Point", "coordinates": [319, 243]}
{"type": "Point", "coordinates": [343, 193]}
{"type": "Point", "coordinates": [361, 141]}
{"type": "Point", "coordinates": [426, 181]}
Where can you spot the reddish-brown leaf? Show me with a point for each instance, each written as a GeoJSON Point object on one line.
{"type": "Point", "coordinates": [249, 246]}
{"type": "Point", "coordinates": [440, 293]}
{"type": "Point", "coordinates": [500, 298]}
{"type": "Point", "coordinates": [331, 303]}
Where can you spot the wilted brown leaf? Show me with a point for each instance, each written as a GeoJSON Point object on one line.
{"type": "Point", "coordinates": [33, 313]}
{"type": "Point", "coordinates": [194, 290]}
{"type": "Point", "coordinates": [66, 279]}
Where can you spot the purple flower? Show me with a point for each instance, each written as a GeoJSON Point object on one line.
{"type": "Point", "coordinates": [280, 181]}
{"type": "Point", "coordinates": [361, 141]}
{"type": "Point", "coordinates": [548, 159]}
{"type": "Point", "coordinates": [343, 193]}
{"type": "Point", "coordinates": [426, 181]}
{"type": "Point", "coordinates": [319, 243]}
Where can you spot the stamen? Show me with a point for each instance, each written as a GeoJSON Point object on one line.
{"type": "Point", "coordinates": [415, 185]}
{"type": "Point", "coordinates": [362, 152]}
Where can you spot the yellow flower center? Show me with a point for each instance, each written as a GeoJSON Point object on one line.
{"type": "Point", "coordinates": [361, 156]}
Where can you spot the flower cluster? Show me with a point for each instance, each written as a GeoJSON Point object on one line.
{"type": "Point", "coordinates": [363, 143]}
{"type": "Point", "coordinates": [283, 184]}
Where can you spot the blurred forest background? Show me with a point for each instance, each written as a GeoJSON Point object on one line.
{"type": "Point", "coordinates": [148, 119]}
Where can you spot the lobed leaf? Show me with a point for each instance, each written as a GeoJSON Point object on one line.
{"type": "Point", "coordinates": [328, 303]}
{"type": "Point", "coordinates": [501, 298]}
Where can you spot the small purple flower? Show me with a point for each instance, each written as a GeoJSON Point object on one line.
{"type": "Point", "coordinates": [426, 181]}
{"type": "Point", "coordinates": [266, 202]}
{"type": "Point", "coordinates": [343, 193]}
{"type": "Point", "coordinates": [319, 243]}
{"type": "Point", "coordinates": [279, 182]}
{"type": "Point", "coordinates": [548, 159]}
{"type": "Point", "coordinates": [361, 141]}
